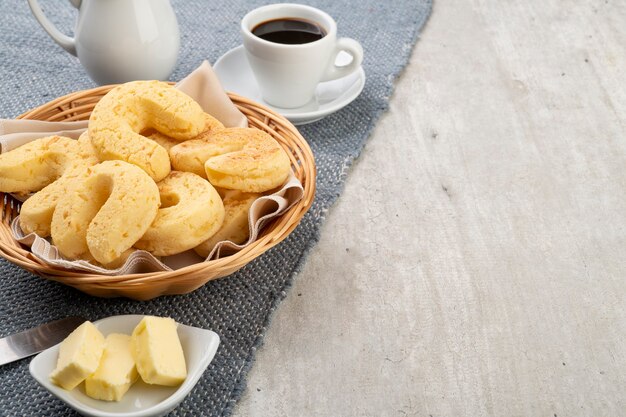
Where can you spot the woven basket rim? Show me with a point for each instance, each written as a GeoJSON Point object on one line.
{"type": "Point", "coordinates": [12, 250]}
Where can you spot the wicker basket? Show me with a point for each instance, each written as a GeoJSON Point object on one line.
{"type": "Point", "coordinates": [78, 106]}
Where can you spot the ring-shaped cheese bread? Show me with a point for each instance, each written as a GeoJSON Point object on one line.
{"type": "Point", "coordinates": [106, 213]}
{"type": "Point", "coordinates": [36, 212]}
{"type": "Point", "coordinates": [235, 227]}
{"type": "Point", "coordinates": [191, 212]}
{"type": "Point", "coordinates": [244, 159]}
{"type": "Point", "coordinates": [211, 125]}
{"type": "Point", "coordinates": [130, 108]}
{"type": "Point", "coordinates": [36, 164]}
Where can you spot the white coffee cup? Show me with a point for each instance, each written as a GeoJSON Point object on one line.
{"type": "Point", "coordinates": [288, 74]}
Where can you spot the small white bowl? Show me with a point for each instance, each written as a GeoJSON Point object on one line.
{"type": "Point", "coordinates": [141, 400]}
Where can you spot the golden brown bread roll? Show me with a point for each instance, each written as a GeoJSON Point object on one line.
{"type": "Point", "coordinates": [211, 125]}
{"type": "Point", "coordinates": [235, 228]}
{"type": "Point", "coordinates": [36, 164]}
{"type": "Point", "coordinates": [135, 106]}
{"type": "Point", "coordinates": [243, 159]}
{"type": "Point", "coordinates": [191, 211]}
{"type": "Point", "coordinates": [36, 212]}
{"type": "Point", "coordinates": [106, 213]}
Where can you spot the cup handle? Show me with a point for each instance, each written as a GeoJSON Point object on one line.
{"type": "Point", "coordinates": [67, 43]}
{"type": "Point", "coordinates": [353, 48]}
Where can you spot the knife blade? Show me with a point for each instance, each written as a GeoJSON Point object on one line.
{"type": "Point", "coordinates": [32, 341]}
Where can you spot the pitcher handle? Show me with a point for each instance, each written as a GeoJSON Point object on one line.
{"type": "Point", "coordinates": [67, 43]}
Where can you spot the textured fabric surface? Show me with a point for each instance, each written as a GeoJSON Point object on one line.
{"type": "Point", "coordinates": [34, 70]}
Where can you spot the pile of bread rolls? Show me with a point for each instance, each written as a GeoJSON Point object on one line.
{"type": "Point", "coordinates": [152, 172]}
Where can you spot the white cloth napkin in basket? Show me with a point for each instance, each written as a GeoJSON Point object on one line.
{"type": "Point", "coordinates": [204, 87]}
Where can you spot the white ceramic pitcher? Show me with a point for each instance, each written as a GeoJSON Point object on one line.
{"type": "Point", "coordinates": [120, 40]}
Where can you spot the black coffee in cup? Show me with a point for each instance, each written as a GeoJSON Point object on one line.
{"type": "Point", "coordinates": [290, 31]}
{"type": "Point", "coordinates": [291, 49]}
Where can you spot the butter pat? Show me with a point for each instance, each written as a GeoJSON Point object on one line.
{"type": "Point", "coordinates": [79, 356]}
{"type": "Point", "coordinates": [116, 371]}
{"type": "Point", "coordinates": [157, 351]}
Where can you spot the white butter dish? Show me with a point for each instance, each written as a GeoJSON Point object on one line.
{"type": "Point", "coordinates": [142, 400]}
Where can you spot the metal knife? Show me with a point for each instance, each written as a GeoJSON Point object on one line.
{"type": "Point", "coordinates": [32, 341]}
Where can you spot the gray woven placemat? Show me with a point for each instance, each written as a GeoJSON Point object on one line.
{"type": "Point", "coordinates": [34, 70]}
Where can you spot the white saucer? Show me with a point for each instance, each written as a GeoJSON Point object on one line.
{"type": "Point", "coordinates": [236, 76]}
